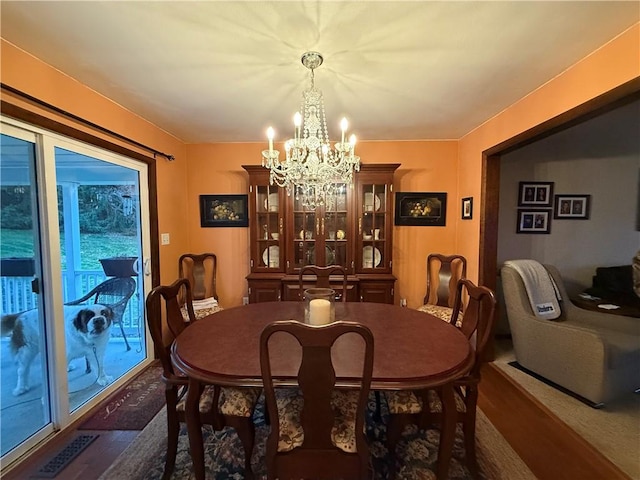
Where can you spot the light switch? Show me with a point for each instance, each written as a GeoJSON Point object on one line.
{"type": "Point", "coordinates": [164, 239]}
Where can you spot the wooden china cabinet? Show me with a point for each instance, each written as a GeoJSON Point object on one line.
{"type": "Point", "coordinates": [353, 229]}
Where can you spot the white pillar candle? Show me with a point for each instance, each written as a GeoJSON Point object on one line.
{"type": "Point", "coordinates": [319, 311]}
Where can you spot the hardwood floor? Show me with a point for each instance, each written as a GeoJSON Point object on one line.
{"type": "Point", "coordinates": [550, 448]}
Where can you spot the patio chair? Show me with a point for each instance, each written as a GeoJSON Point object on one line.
{"type": "Point", "coordinates": [317, 431]}
{"type": "Point", "coordinates": [114, 293]}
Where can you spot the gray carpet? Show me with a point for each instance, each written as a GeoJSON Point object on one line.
{"type": "Point", "coordinates": [614, 430]}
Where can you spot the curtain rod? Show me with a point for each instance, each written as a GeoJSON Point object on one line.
{"type": "Point", "coordinates": [85, 122]}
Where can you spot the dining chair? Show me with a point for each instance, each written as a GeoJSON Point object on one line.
{"type": "Point", "coordinates": [319, 432]}
{"type": "Point", "coordinates": [443, 273]}
{"type": "Point", "coordinates": [115, 294]}
{"type": "Point", "coordinates": [409, 406]}
{"type": "Point", "coordinates": [321, 278]}
{"type": "Point", "coordinates": [219, 407]}
{"type": "Point", "coordinates": [201, 270]}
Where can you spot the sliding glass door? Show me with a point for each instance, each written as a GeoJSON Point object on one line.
{"type": "Point", "coordinates": [23, 356]}
{"type": "Point", "coordinates": [79, 215]}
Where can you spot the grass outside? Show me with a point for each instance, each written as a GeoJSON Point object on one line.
{"type": "Point", "coordinates": [93, 247]}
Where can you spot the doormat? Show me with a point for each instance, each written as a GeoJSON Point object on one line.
{"type": "Point", "coordinates": [133, 406]}
{"type": "Point", "coordinates": [63, 458]}
{"type": "Point", "coordinates": [560, 388]}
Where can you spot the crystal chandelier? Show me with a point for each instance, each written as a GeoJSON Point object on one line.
{"type": "Point", "coordinates": [312, 168]}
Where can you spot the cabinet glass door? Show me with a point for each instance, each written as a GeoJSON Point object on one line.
{"type": "Point", "coordinates": [307, 242]}
{"type": "Point", "coordinates": [269, 231]}
{"type": "Point", "coordinates": [334, 228]}
{"type": "Point", "coordinates": [373, 227]}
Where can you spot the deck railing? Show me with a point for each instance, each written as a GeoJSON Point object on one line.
{"type": "Point", "coordinates": [16, 296]}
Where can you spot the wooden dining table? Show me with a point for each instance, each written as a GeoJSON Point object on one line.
{"type": "Point", "coordinates": [412, 350]}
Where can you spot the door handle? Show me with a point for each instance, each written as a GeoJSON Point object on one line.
{"type": "Point", "coordinates": [35, 286]}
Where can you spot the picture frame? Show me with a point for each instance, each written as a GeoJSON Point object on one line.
{"type": "Point", "coordinates": [467, 208]}
{"type": "Point", "coordinates": [572, 207]}
{"type": "Point", "coordinates": [224, 210]}
{"type": "Point", "coordinates": [426, 209]}
{"type": "Point", "coordinates": [534, 221]}
{"type": "Point", "coordinates": [535, 194]}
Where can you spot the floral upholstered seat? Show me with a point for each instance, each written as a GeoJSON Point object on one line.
{"type": "Point", "coordinates": [443, 313]}
{"type": "Point", "coordinates": [290, 404]}
{"type": "Point", "coordinates": [406, 401]}
{"type": "Point", "coordinates": [238, 402]}
{"type": "Point", "coordinates": [201, 308]}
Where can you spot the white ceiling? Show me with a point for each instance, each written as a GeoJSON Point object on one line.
{"type": "Point", "coordinates": [213, 71]}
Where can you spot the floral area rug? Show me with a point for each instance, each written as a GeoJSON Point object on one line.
{"type": "Point", "coordinates": [416, 453]}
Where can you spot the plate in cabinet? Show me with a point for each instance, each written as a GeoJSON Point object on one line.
{"type": "Point", "coordinates": [271, 256]}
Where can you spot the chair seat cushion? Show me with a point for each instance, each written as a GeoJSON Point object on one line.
{"type": "Point", "coordinates": [443, 313]}
{"type": "Point", "coordinates": [290, 402]}
{"type": "Point", "coordinates": [407, 402]}
{"type": "Point", "coordinates": [200, 312]}
{"type": "Point", "coordinates": [237, 402]}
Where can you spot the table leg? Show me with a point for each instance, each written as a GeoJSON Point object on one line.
{"type": "Point", "coordinates": [448, 431]}
{"type": "Point", "coordinates": [194, 428]}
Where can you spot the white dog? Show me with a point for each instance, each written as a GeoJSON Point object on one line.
{"type": "Point", "coordinates": [87, 331]}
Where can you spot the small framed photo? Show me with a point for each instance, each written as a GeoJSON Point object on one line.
{"type": "Point", "coordinates": [423, 209]}
{"type": "Point", "coordinates": [534, 221]}
{"type": "Point", "coordinates": [535, 194]}
{"type": "Point", "coordinates": [572, 207]}
{"type": "Point", "coordinates": [467, 208]}
{"type": "Point", "coordinates": [224, 211]}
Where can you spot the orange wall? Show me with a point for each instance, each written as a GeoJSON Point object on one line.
{"type": "Point", "coordinates": [29, 75]}
{"type": "Point", "coordinates": [426, 166]}
{"type": "Point", "coordinates": [613, 64]}
{"type": "Point", "coordinates": [448, 166]}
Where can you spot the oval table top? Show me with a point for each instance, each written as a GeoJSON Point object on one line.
{"type": "Point", "coordinates": [412, 349]}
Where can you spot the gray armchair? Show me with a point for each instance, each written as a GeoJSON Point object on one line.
{"type": "Point", "coordinates": [595, 355]}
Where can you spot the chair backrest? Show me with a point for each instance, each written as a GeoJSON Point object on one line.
{"type": "Point", "coordinates": [322, 278]}
{"type": "Point", "coordinates": [443, 273]}
{"type": "Point", "coordinates": [316, 379]}
{"type": "Point", "coordinates": [479, 316]}
{"type": "Point", "coordinates": [113, 292]}
{"type": "Point", "coordinates": [163, 302]}
{"type": "Point", "coordinates": [201, 271]}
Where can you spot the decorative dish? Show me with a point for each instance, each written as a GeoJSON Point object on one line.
{"type": "Point", "coordinates": [271, 202]}
{"type": "Point", "coordinates": [271, 256]}
{"type": "Point", "coordinates": [371, 257]}
{"type": "Point", "coordinates": [371, 202]}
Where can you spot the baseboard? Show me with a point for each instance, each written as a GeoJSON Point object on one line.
{"type": "Point", "coordinates": [560, 388]}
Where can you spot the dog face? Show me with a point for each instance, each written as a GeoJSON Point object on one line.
{"type": "Point", "coordinates": [93, 320]}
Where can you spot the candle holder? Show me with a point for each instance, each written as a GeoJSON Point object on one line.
{"type": "Point", "coordinates": [319, 306]}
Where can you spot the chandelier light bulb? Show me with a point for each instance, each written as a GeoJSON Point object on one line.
{"type": "Point", "coordinates": [297, 123]}
{"type": "Point", "coordinates": [352, 140]}
{"type": "Point", "coordinates": [270, 135]}
{"type": "Point", "coordinates": [344, 124]}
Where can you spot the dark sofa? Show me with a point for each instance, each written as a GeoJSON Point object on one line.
{"type": "Point", "coordinates": [615, 285]}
